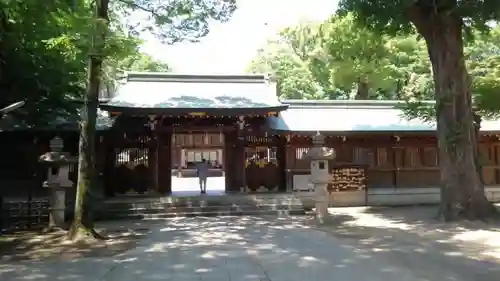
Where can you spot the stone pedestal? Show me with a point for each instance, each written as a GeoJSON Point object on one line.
{"type": "Point", "coordinates": [321, 205]}
{"type": "Point", "coordinates": [57, 206]}
{"type": "Point", "coordinates": [63, 177]}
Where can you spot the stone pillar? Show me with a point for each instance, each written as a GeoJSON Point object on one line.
{"type": "Point", "coordinates": [321, 206]}
{"type": "Point", "coordinates": [57, 200]}
{"type": "Point", "coordinates": [58, 206]}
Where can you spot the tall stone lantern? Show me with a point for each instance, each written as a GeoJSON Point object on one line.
{"type": "Point", "coordinates": [320, 176]}
{"type": "Point", "coordinates": [57, 163]}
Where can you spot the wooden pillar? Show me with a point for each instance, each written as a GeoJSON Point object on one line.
{"type": "Point", "coordinates": [281, 158]}
{"type": "Point", "coordinates": [234, 162]}
{"type": "Point", "coordinates": [229, 143]}
{"type": "Point", "coordinates": [239, 166]}
{"type": "Point", "coordinates": [153, 161]}
{"type": "Point", "coordinates": [398, 154]}
{"type": "Point", "coordinates": [109, 163]}
{"type": "Point", "coordinates": [164, 160]}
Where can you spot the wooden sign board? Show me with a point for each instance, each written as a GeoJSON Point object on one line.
{"type": "Point", "coordinates": [197, 114]}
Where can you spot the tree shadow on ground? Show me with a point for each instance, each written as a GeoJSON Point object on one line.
{"type": "Point", "coordinates": [412, 236]}
{"type": "Point", "coordinates": [271, 249]}
{"type": "Point", "coordinates": [40, 245]}
{"type": "Point", "coordinates": [257, 248]}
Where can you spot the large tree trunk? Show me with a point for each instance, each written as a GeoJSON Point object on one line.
{"type": "Point", "coordinates": [477, 119]}
{"type": "Point", "coordinates": [363, 91]}
{"type": "Point", "coordinates": [83, 222]}
{"type": "Point", "coordinates": [462, 193]}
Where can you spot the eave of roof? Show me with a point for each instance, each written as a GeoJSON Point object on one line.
{"type": "Point", "coordinates": [58, 123]}
{"type": "Point", "coordinates": [173, 111]}
{"type": "Point", "coordinates": [11, 107]}
{"type": "Point", "coordinates": [180, 94]}
{"type": "Point", "coordinates": [343, 116]}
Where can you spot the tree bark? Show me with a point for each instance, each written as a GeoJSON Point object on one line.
{"type": "Point", "coordinates": [477, 119]}
{"type": "Point", "coordinates": [462, 192]}
{"type": "Point", "coordinates": [83, 221]}
{"type": "Point", "coordinates": [363, 91]}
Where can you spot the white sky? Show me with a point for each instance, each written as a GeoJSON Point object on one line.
{"type": "Point", "coordinates": [230, 46]}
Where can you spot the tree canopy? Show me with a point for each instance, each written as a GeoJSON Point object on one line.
{"type": "Point", "coordinates": [326, 65]}
{"type": "Point", "coordinates": [43, 55]}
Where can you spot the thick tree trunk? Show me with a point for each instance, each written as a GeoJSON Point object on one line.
{"type": "Point", "coordinates": [477, 119]}
{"type": "Point", "coordinates": [363, 91]}
{"type": "Point", "coordinates": [83, 222]}
{"type": "Point", "coordinates": [462, 193]}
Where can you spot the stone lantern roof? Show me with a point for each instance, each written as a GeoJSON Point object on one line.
{"type": "Point", "coordinates": [56, 156]}
{"type": "Point", "coordinates": [319, 151]}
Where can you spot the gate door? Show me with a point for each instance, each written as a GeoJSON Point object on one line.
{"type": "Point", "coordinates": [261, 166]}
{"type": "Point", "coordinates": [132, 172]}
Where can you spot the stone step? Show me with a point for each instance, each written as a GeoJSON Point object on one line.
{"type": "Point", "coordinates": [230, 205]}
{"type": "Point", "coordinates": [209, 208]}
{"type": "Point", "coordinates": [166, 206]}
{"type": "Point", "coordinates": [161, 215]}
{"type": "Point", "coordinates": [198, 204]}
{"type": "Point", "coordinates": [196, 200]}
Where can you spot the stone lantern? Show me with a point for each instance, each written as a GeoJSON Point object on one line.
{"type": "Point", "coordinates": [57, 163]}
{"type": "Point", "coordinates": [320, 176]}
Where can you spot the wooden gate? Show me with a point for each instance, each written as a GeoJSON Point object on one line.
{"type": "Point", "coordinates": [132, 171]}
{"type": "Point", "coordinates": [261, 166]}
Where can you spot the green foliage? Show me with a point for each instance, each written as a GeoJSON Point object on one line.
{"type": "Point", "coordinates": [393, 17]}
{"type": "Point", "coordinates": [173, 21]}
{"type": "Point", "coordinates": [484, 67]}
{"type": "Point", "coordinates": [483, 61]}
{"type": "Point", "coordinates": [43, 55]}
{"type": "Point", "coordinates": [329, 60]}
{"type": "Point", "coordinates": [323, 61]}
{"type": "Point", "coordinates": [294, 75]}
{"type": "Point", "coordinates": [39, 60]}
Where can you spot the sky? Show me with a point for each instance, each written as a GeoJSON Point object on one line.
{"type": "Point", "coordinates": [230, 46]}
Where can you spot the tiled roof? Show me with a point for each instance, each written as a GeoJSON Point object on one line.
{"type": "Point", "coordinates": [307, 116]}
{"type": "Point", "coordinates": [66, 123]}
{"type": "Point", "coordinates": [194, 92]}
{"type": "Point", "coordinates": [353, 116]}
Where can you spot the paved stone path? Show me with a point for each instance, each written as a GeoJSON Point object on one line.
{"type": "Point", "coordinates": [255, 249]}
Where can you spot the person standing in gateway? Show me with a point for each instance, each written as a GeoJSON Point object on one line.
{"type": "Point", "coordinates": [202, 172]}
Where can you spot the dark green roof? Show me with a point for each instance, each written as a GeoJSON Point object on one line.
{"type": "Point", "coordinates": [178, 94]}
{"type": "Point", "coordinates": [63, 122]}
